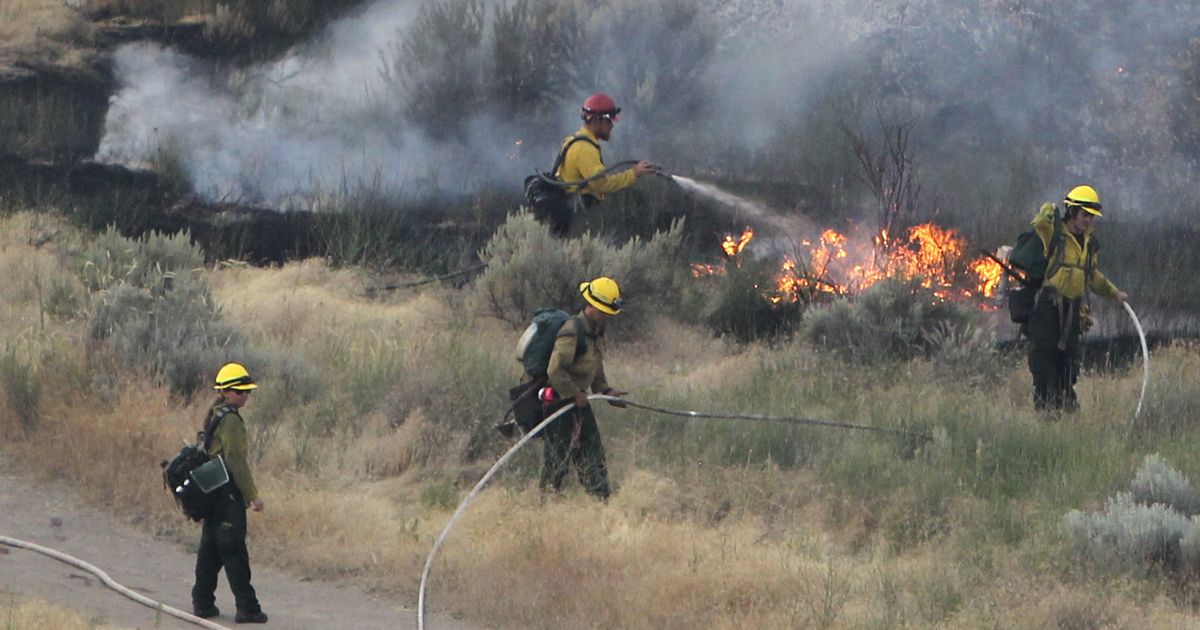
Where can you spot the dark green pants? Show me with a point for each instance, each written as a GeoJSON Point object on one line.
{"type": "Point", "coordinates": [223, 544]}
{"type": "Point", "coordinates": [588, 459]}
{"type": "Point", "coordinates": [1054, 370]}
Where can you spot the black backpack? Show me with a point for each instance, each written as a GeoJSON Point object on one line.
{"type": "Point", "coordinates": [551, 204]}
{"type": "Point", "coordinates": [1029, 257]}
{"type": "Point", "coordinates": [533, 351]}
{"type": "Point", "coordinates": [177, 472]}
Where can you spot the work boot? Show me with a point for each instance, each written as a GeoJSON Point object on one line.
{"type": "Point", "coordinates": [250, 617]}
{"type": "Point", "coordinates": [206, 612]}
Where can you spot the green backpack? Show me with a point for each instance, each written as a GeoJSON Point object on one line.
{"type": "Point", "coordinates": [533, 351]}
{"type": "Point", "coordinates": [537, 342]}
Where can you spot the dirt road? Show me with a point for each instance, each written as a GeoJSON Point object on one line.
{"type": "Point", "coordinates": [50, 515]}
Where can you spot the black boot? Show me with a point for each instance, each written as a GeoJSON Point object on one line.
{"type": "Point", "coordinates": [206, 612]}
{"type": "Point", "coordinates": [250, 617]}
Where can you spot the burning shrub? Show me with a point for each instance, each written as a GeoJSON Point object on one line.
{"type": "Point", "coordinates": [891, 320]}
{"type": "Point", "coordinates": [528, 269]}
{"type": "Point", "coordinates": [1154, 524]}
{"type": "Point", "coordinates": [741, 311]}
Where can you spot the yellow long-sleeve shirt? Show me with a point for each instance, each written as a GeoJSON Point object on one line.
{"type": "Point", "coordinates": [583, 160]}
{"type": "Point", "coordinates": [1071, 277]}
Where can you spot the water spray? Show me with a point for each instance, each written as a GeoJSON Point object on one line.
{"type": "Point", "coordinates": [1145, 367]}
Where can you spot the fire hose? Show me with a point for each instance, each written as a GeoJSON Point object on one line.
{"type": "Point", "coordinates": [1145, 367]}
{"type": "Point", "coordinates": [441, 539]}
{"type": "Point", "coordinates": [615, 168]}
{"type": "Point", "coordinates": [109, 582]}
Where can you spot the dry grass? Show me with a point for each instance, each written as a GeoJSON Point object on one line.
{"type": "Point", "coordinates": [18, 613]}
{"type": "Point", "coordinates": [686, 542]}
{"type": "Point", "coordinates": [42, 32]}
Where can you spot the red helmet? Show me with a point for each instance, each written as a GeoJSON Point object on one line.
{"type": "Point", "coordinates": [601, 104]}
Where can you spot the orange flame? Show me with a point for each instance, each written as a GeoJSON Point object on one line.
{"type": "Point", "coordinates": [840, 265]}
{"type": "Point", "coordinates": [930, 252]}
{"type": "Point", "coordinates": [732, 247]}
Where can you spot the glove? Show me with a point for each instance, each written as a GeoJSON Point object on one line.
{"type": "Point", "coordinates": [1086, 321]}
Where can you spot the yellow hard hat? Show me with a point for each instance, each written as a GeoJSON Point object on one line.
{"type": "Point", "coordinates": [234, 376]}
{"type": "Point", "coordinates": [602, 293]}
{"type": "Point", "coordinates": [1084, 197]}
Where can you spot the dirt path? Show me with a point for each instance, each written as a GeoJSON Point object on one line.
{"type": "Point", "coordinates": [50, 515]}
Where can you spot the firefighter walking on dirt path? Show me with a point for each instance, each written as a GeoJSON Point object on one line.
{"type": "Point", "coordinates": [580, 159]}
{"type": "Point", "coordinates": [223, 538]}
{"type": "Point", "coordinates": [574, 437]}
{"type": "Point", "coordinates": [1061, 312]}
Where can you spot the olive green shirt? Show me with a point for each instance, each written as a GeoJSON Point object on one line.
{"type": "Point", "coordinates": [570, 373]}
{"type": "Point", "coordinates": [233, 444]}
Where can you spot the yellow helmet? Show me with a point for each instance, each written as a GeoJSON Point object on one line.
{"type": "Point", "coordinates": [234, 376]}
{"type": "Point", "coordinates": [1084, 197]}
{"type": "Point", "coordinates": [602, 293]}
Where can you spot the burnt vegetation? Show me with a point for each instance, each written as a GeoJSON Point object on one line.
{"type": "Point", "coordinates": [886, 132]}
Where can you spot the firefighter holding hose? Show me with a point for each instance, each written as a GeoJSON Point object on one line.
{"type": "Point", "coordinates": [579, 170]}
{"type": "Point", "coordinates": [1060, 312]}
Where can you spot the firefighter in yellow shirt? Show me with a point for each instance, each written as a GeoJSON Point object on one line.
{"type": "Point", "coordinates": [580, 159]}
{"type": "Point", "coordinates": [1072, 269]}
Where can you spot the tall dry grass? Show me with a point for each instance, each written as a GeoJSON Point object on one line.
{"type": "Point", "coordinates": [374, 416]}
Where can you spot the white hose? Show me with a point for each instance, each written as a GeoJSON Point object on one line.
{"type": "Point", "coordinates": [1145, 366]}
{"type": "Point", "coordinates": [437, 544]}
{"type": "Point", "coordinates": [109, 582]}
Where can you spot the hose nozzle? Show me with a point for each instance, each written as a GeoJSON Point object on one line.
{"type": "Point", "coordinates": [658, 170]}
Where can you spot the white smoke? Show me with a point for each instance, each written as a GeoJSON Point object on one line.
{"type": "Point", "coordinates": [323, 119]}
{"type": "Point", "coordinates": [327, 116]}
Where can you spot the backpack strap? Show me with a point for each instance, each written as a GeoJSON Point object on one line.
{"type": "Point", "coordinates": [579, 334]}
{"type": "Point", "coordinates": [213, 423]}
{"type": "Point", "coordinates": [562, 155]}
{"type": "Point", "coordinates": [1056, 251]}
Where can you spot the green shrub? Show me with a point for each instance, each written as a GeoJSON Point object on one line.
{"type": "Point", "coordinates": [22, 389]}
{"type": "Point", "coordinates": [151, 302]}
{"type": "Point", "coordinates": [531, 56]}
{"type": "Point", "coordinates": [1142, 527]}
{"type": "Point", "coordinates": [1156, 482]}
{"type": "Point", "coordinates": [176, 332]}
{"type": "Point", "coordinates": [112, 259]}
{"type": "Point", "coordinates": [891, 320]}
{"type": "Point", "coordinates": [439, 66]}
{"type": "Point", "coordinates": [61, 301]}
{"type": "Point", "coordinates": [1128, 534]}
{"type": "Point", "coordinates": [528, 269]}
